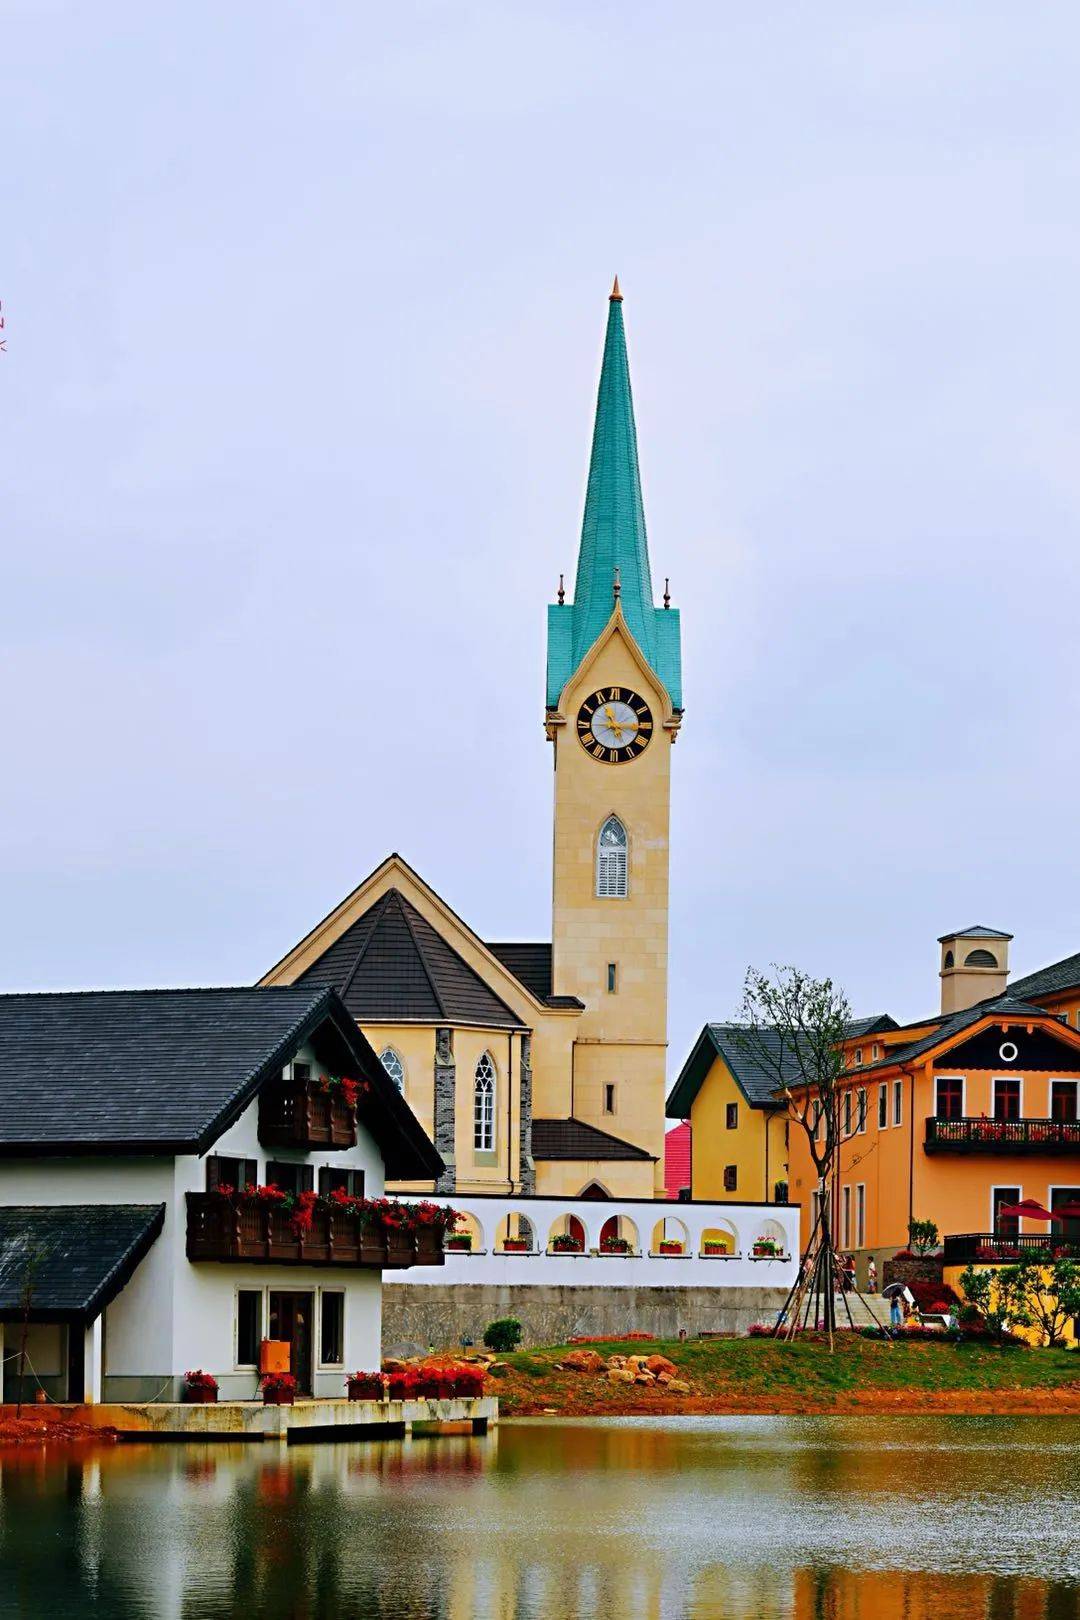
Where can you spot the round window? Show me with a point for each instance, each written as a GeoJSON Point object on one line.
{"type": "Point", "coordinates": [1007, 1052]}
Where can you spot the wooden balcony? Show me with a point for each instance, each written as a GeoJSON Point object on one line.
{"type": "Point", "coordinates": [220, 1229]}
{"type": "Point", "coordinates": [1002, 1135]}
{"type": "Point", "coordinates": [1003, 1248]}
{"type": "Point", "coordinates": [300, 1114]}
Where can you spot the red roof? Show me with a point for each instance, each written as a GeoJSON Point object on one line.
{"type": "Point", "coordinates": [677, 1160]}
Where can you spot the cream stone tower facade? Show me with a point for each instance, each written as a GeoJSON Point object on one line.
{"type": "Point", "coordinates": [614, 707]}
{"type": "Point", "coordinates": [539, 1066]}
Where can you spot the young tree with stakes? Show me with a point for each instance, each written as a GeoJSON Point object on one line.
{"type": "Point", "coordinates": [792, 1027]}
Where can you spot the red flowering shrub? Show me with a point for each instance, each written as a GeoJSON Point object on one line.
{"type": "Point", "coordinates": [365, 1386]}
{"type": "Point", "coordinates": [382, 1214]}
{"type": "Point", "coordinates": [201, 1380]}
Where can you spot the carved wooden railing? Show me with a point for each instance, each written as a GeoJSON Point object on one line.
{"type": "Point", "coordinates": [301, 1114]}
{"type": "Point", "coordinates": [226, 1229]}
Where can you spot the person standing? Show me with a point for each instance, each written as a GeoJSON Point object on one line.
{"type": "Point", "coordinates": [896, 1313]}
{"type": "Point", "coordinates": [871, 1276]}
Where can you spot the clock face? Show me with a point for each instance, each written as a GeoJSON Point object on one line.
{"type": "Point", "coordinates": [614, 724]}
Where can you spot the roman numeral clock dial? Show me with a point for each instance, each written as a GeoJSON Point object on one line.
{"type": "Point", "coordinates": [614, 725]}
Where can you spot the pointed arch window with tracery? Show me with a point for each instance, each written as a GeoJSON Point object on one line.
{"type": "Point", "coordinates": [484, 1105]}
{"type": "Point", "coordinates": [394, 1067]}
{"type": "Point", "coordinates": [612, 865]}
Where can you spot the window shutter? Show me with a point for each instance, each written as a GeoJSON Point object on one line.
{"type": "Point", "coordinates": [305, 1178]}
{"type": "Point", "coordinates": [213, 1173]}
{"type": "Point", "coordinates": [358, 1183]}
{"type": "Point", "coordinates": [251, 1173]}
{"type": "Point", "coordinates": [324, 1179]}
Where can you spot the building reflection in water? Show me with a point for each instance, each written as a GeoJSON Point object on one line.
{"type": "Point", "coordinates": [804, 1519]}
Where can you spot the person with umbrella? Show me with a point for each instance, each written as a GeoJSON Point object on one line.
{"type": "Point", "coordinates": [894, 1293]}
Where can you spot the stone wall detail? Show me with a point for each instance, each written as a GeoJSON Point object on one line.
{"type": "Point", "coordinates": [448, 1315]}
{"type": "Point", "coordinates": [526, 1167]}
{"type": "Point", "coordinates": [444, 1113]}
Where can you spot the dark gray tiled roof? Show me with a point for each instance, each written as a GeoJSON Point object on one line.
{"type": "Point", "coordinates": [978, 932]}
{"type": "Point", "coordinates": [531, 965]}
{"type": "Point", "coordinates": [870, 1026]}
{"type": "Point", "coordinates": [573, 1139]}
{"type": "Point", "coordinates": [76, 1258]}
{"type": "Point", "coordinates": [391, 966]}
{"type": "Point", "coordinates": [165, 1071]}
{"type": "Point", "coordinates": [1063, 975]}
{"type": "Point", "coordinates": [1007, 1006]}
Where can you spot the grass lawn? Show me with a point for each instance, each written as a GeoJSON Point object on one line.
{"type": "Point", "coordinates": [760, 1375]}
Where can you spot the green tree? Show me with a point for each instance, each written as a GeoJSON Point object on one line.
{"type": "Point", "coordinates": [922, 1236]}
{"type": "Point", "coordinates": [791, 1029]}
{"type": "Point", "coordinates": [1043, 1292]}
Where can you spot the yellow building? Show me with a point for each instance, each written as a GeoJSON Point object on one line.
{"type": "Point", "coordinates": [738, 1127]}
{"type": "Point", "coordinates": [540, 1066]}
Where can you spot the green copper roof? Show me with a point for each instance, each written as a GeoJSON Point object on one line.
{"type": "Point", "coordinates": [613, 537]}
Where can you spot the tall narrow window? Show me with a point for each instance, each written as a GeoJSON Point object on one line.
{"type": "Point", "coordinates": [484, 1105]}
{"type": "Point", "coordinates": [882, 1107]}
{"type": "Point", "coordinates": [845, 1207]}
{"type": "Point", "coordinates": [898, 1102]}
{"type": "Point", "coordinates": [862, 1109]}
{"type": "Point", "coordinates": [611, 864]}
{"type": "Point", "coordinates": [609, 1098]}
{"type": "Point", "coordinates": [860, 1214]}
{"type": "Point", "coordinates": [248, 1326]}
{"type": "Point", "coordinates": [394, 1067]}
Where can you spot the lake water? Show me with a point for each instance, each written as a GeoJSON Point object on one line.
{"type": "Point", "coordinates": [685, 1519]}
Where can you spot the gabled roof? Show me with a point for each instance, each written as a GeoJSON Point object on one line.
{"type": "Point", "coordinates": [74, 1258]}
{"type": "Point", "coordinates": [531, 966]}
{"type": "Point", "coordinates": [1007, 1006]}
{"type": "Point", "coordinates": [613, 537]}
{"type": "Point", "coordinates": [879, 1024]}
{"type": "Point", "coordinates": [392, 966]}
{"type": "Point", "coordinates": [573, 1139]}
{"type": "Point", "coordinates": [1048, 981]}
{"type": "Point", "coordinates": [166, 1071]}
{"type": "Point", "coordinates": [756, 1081]}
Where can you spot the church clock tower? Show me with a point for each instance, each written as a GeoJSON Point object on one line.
{"type": "Point", "coordinates": [614, 707]}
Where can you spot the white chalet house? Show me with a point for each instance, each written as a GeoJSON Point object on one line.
{"type": "Point", "coordinates": [122, 1264]}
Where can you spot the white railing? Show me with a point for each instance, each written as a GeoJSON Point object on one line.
{"type": "Point", "coordinates": [704, 1245]}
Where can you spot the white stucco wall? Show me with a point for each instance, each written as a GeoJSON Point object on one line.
{"type": "Point", "coordinates": [173, 1314]}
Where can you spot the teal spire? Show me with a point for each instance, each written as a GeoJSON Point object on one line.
{"type": "Point", "coordinates": [613, 559]}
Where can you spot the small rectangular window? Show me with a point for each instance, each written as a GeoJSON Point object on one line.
{"type": "Point", "coordinates": [732, 1114]}
{"type": "Point", "coordinates": [612, 977]}
{"type": "Point", "coordinates": [898, 1102]}
{"type": "Point", "coordinates": [248, 1326]}
{"type": "Point", "coordinates": [949, 1100]}
{"type": "Point", "coordinates": [858, 1057]}
{"type": "Point", "coordinates": [334, 1179]}
{"type": "Point", "coordinates": [332, 1339]}
{"type": "Point", "coordinates": [609, 1099]}
{"type": "Point", "coordinates": [875, 1051]}
{"type": "Point", "coordinates": [301, 1071]}
{"type": "Point", "coordinates": [731, 1177]}
{"type": "Point", "coordinates": [882, 1107]}
{"type": "Point", "coordinates": [1063, 1100]}
{"type": "Point", "coordinates": [293, 1178]}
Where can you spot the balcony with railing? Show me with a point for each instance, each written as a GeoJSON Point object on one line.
{"type": "Point", "coordinates": [1005, 1248]}
{"type": "Point", "coordinates": [221, 1228]}
{"type": "Point", "coordinates": [982, 1135]}
{"type": "Point", "coordinates": [305, 1114]}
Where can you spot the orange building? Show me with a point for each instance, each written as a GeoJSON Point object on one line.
{"type": "Point", "coordinates": [957, 1116]}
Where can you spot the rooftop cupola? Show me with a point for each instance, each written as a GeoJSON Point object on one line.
{"type": "Point", "coordinates": [613, 558]}
{"type": "Point", "coordinates": [974, 966]}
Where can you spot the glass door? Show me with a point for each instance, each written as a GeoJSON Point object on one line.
{"type": "Point", "coordinates": [291, 1318]}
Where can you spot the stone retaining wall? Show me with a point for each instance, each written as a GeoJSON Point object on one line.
{"type": "Point", "coordinates": [416, 1316]}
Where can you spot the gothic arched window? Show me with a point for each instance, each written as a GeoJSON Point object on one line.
{"type": "Point", "coordinates": [611, 861]}
{"type": "Point", "coordinates": [394, 1067]}
{"type": "Point", "coordinates": [484, 1105]}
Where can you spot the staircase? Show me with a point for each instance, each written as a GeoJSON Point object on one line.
{"type": "Point", "coordinates": [861, 1310]}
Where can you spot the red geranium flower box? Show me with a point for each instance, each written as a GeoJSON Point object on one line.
{"type": "Point", "coordinates": [365, 1386]}
{"type": "Point", "coordinates": [200, 1388]}
{"type": "Point", "coordinates": [279, 1389]}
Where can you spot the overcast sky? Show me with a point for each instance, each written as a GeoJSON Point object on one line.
{"type": "Point", "coordinates": [304, 308]}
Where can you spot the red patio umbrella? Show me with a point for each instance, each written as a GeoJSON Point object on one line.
{"type": "Point", "coordinates": [1030, 1209]}
{"type": "Point", "coordinates": [1067, 1212]}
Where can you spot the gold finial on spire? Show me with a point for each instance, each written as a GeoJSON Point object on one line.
{"type": "Point", "coordinates": [615, 296]}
